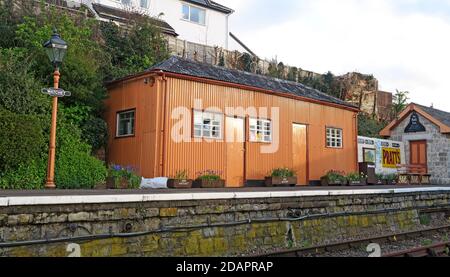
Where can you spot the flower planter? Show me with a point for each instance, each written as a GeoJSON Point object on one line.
{"type": "Point", "coordinates": [209, 184]}
{"type": "Point", "coordinates": [391, 182]}
{"type": "Point", "coordinates": [381, 183]}
{"type": "Point", "coordinates": [327, 183]}
{"type": "Point", "coordinates": [122, 184]}
{"type": "Point", "coordinates": [179, 184]}
{"type": "Point", "coordinates": [357, 183]}
{"type": "Point", "coordinates": [414, 179]}
{"type": "Point", "coordinates": [404, 179]}
{"type": "Point", "coordinates": [425, 180]}
{"type": "Point", "coordinates": [281, 181]}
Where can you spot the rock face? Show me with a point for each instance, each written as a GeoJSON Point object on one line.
{"type": "Point", "coordinates": [438, 148]}
{"type": "Point", "coordinates": [210, 227]}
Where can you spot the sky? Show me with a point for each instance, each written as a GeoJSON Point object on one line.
{"type": "Point", "coordinates": [405, 44]}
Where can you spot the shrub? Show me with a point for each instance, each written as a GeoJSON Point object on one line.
{"type": "Point", "coordinates": [75, 167]}
{"type": "Point", "coordinates": [26, 176]}
{"type": "Point", "coordinates": [21, 140]}
{"type": "Point", "coordinates": [283, 173]}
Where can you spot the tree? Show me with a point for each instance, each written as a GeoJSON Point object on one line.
{"type": "Point", "coordinates": [400, 101]}
{"type": "Point", "coordinates": [368, 126]}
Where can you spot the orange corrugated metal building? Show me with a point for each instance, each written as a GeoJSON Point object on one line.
{"type": "Point", "coordinates": [310, 132]}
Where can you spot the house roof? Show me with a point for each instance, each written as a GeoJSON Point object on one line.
{"type": "Point", "coordinates": [442, 116]}
{"type": "Point", "coordinates": [438, 117]}
{"type": "Point", "coordinates": [122, 16]}
{"type": "Point", "coordinates": [211, 5]}
{"type": "Point", "coordinates": [202, 70]}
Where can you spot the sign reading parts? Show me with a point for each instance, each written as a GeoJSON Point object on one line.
{"type": "Point", "coordinates": [391, 157]}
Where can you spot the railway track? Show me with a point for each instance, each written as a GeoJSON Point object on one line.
{"type": "Point", "coordinates": [363, 243]}
{"type": "Point", "coordinates": [435, 250]}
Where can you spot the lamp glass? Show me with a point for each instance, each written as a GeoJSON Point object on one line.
{"type": "Point", "coordinates": [56, 49]}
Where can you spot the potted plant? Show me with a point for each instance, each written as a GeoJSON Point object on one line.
{"type": "Point", "coordinates": [356, 179]}
{"type": "Point", "coordinates": [210, 179]}
{"type": "Point", "coordinates": [122, 178]}
{"type": "Point", "coordinates": [333, 178]}
{"type": "Point", "coordinates": [390, 179]}
{"type": "Point", "coordinates": [180, 181]}
{"type": "Point", "coordinates": [281, 177]}
{"type": "Point", "coordinates": [381, 181]}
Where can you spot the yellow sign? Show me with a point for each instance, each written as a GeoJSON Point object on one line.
{"type": "Point", "coordinates": [391, 157]}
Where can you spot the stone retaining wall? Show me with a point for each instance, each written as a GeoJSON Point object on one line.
{"type": "Point", "coordinates": [21, 223]}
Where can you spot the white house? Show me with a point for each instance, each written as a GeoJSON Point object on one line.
{"type": "Point", "coordinates": [199, 21]}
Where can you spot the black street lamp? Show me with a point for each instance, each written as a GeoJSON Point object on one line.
{"type": "Point", "coordinates": [56, 50]}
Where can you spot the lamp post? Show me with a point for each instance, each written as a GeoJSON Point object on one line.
{"type": "Point", "coordinates": [56, 50]}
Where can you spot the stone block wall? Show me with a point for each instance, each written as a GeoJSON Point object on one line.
{"type": "Point", "coordinates": [229, 227]}
{"type": "Point", "coordinates": [438, 148]}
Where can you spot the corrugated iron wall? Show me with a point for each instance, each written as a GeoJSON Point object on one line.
{"type": "Point", "coordinates": [199, 156]}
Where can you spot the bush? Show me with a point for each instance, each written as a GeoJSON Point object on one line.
{"type": "Point", "coordinates": [26, 176]}
{"type": "Point", "coordinates": [75, 167]}
{"type": "Point", "coordinates": [21, 140]}
{"type": "Point", "coordinates": [19, 89]}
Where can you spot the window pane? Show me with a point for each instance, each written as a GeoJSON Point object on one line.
{"type": "Point", "coordinates": [186, 12]}
{"type": "Point", "coordinates": [125, 124]}
{"type": "Point", "coordinates": [144, 4]}
{"type": "Point", "coordinates": [197, 15]}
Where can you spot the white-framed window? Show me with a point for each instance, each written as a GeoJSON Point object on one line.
{"type": "Point", "coordinates": [194, 14]}
{"type": "Point", "coordinates": [125, 123]}
{"type": "Point", "coordinates": [208, 125]}
{"type": "Point", "coordinates": [260, 130]}
{"type": "Point", "coordinates": [126, 2]}
{"type": "Point", "coordinates": [145, 4]}
{"type": "Point", "coordinates": [334, 137]}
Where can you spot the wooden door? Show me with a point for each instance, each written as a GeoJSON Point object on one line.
{"type": "Point", "coordinates": [300, 152]}
{"type": "Point", "coordinates": [418, 151]}
{"type": "Point", "coordinates": [235, 139]}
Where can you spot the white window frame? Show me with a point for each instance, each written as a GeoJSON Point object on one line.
{"type": "Point", "coordinates": [334, 138]}
{"type": "Point", "coordinates": [258, 130]}
{"type": "Point", "coordinates": [148, 4]}
{"type": "Point", "coordinates": [201, 129]}
{"type": "Point", "coordinates": [133, 122]}
{"type": "Point", "coordinates": [189, 17]}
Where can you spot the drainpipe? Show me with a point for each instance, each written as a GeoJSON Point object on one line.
{"type": "Point", "coordinates": [162, 158]}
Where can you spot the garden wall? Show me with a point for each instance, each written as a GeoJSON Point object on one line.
{"type": "Point", "coordinates": [237, 227]}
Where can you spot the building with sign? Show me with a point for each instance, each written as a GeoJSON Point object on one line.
{"type": "Point", "coordinates": [385, 154]}
{"type": "Point", "coordinates": [182, 115]}
{"type": "Point", "coordinates": [425, 131]}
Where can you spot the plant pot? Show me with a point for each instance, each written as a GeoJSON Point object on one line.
{"type": "Point", "coordinates": [326, 182]}
{"type": "Point", "coordinates": [404, 179]}
{"type": "Point", "coordinates": [381, 183]}
{"type": "Point", "coordinates": [209, 184]}
{"type": "Point", "coordinates": [179, 184]}
{"type": "Point", "coordinates": [425, 180]}
{"type": "Point", "coordinates": [359, 183]}
{"type": "Point", "coordinates": [122, 184]}
{"type": "Point", "coordinates": [281, 181]}
{"type": "Point", "coordinates": [391, 182]}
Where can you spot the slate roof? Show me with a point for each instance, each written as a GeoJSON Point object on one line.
{"type": "Point", "coordinates": [211, 5]}
{"type": "Point", "coordinates": [124, 16]}
{"type": "Point", "coordinates": [442, 116]}
{"type": "Point", "coordinates": [202, 70]}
